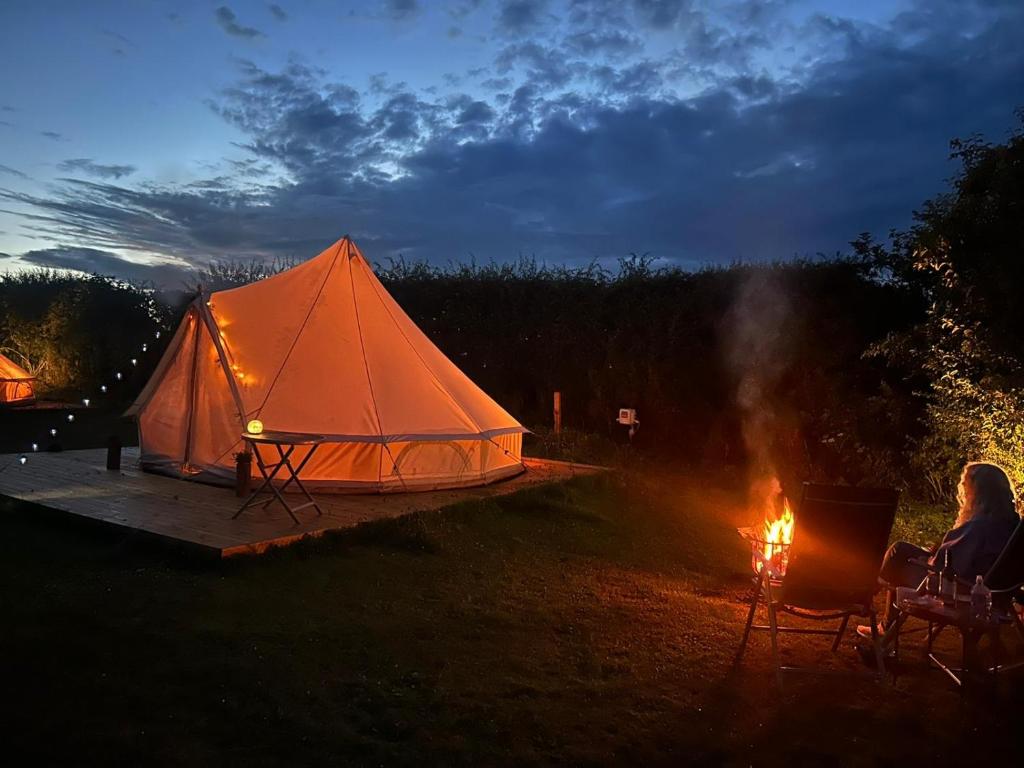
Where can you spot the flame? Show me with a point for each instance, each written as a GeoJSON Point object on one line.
{"type": "Point", "coordinates": [778, 533]}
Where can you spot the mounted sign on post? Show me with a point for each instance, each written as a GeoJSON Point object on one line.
{"type": "Point", "coordinates": [627, 418]}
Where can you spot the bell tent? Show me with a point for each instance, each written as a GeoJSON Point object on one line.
{"type": "Point", "coordinates": [15, 383]}
{"type": "Point", "coordinates": [321, 349]}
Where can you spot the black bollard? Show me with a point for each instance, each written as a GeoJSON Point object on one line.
{"type": "Point", "coordinates": [114, 453]}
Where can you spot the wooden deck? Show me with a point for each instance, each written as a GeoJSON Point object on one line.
{"type": "Point", "coordinates": [199, 516]}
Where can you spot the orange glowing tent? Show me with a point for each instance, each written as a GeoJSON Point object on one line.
{"type": "Point", "coordinates": [322, 349]}
{"type": "Point", "coordinates": [16, 384]}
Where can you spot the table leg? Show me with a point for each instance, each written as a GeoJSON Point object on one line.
{"type": "Point", "coordinates": [295, 476]}
{"type": "Point", "coordinates": [266, 481]}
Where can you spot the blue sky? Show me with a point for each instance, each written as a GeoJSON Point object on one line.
{"type": "Point", "coordinates": [140, 138]}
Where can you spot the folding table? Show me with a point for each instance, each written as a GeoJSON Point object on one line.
{"type": "Point", "coordinates": [285, 443]}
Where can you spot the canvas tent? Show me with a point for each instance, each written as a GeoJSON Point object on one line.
{"type": "Point", "coordinates": [322, 348]}
{"type": "Point", "coordinates": [15, 383]}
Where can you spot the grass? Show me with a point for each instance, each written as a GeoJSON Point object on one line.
{"type": "Point", "coordinates": [589, 623]}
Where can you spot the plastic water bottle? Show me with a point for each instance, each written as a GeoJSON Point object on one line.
{"type": "Point", "coordinates": [981, 600]}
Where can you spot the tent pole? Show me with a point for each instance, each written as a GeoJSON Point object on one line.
{"type": "Point", "coordinates": [191, 394]}
{"type": "Point", "coordinates": [211, 326]}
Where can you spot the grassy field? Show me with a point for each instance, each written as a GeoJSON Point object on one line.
{"type": "Point", "coordinates": [591, 623]}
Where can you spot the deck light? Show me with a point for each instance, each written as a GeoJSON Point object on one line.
{"type": "Point", "coordinates": [145, 347]}
{"type": "Point", "coordinates": [71, 417]}
{"type": "Point", "coordinates": [35, 446]}
{"type": "Point", "coordinates": [85, 401]}
{"type": "Point", "coordinates": [118, 376]}
{"type": "Point", "coordinates": [134, 361]}
{"type": "Point", "coordinates": [103, 388]}
{"type": "Point", "coordinates": [53, 433]}
{"type": "Point", "coordinates": [23, 458]}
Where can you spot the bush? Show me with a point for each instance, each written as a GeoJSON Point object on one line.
{"type": "Point", "coordinates": [74, 332]}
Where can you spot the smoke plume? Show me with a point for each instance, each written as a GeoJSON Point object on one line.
{"type": "Point", "coordinates": [757, 354]}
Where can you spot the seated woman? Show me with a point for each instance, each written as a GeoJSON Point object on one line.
{"type": "Point", "coordinates": [986, 520]}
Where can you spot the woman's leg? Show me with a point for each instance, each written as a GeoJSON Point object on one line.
{"type": "Point", "coordinates": [898, 571]}
{"type": "Point", "coordinates": [897, 568]}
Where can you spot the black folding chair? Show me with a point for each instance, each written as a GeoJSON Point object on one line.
{"type": "Point", "coordinates": [840, 537]}
{"type": "Point", "coordinates": [1005, 580]}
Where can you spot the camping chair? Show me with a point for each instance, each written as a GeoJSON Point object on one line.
{"type": "Point", "coordinates": [839, 541]}
{"type": "Point", "coordinates": [1005, 580]}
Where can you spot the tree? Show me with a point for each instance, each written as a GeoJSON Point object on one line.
{"type": "Point", "coordinates": [965, 254]}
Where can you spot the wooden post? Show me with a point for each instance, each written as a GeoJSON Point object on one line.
{"type": "Point", "coordinates": [114, 453]}
{"type": "Point", "coordinates": [558, 413]}
{"type": "Point", "coordinates": [243, 473]}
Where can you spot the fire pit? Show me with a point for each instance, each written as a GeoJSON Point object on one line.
{"type": "Point", "coordinates": [770, 544]}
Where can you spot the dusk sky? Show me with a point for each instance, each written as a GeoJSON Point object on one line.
{"type": "Point", "coordinates": [140, 137]}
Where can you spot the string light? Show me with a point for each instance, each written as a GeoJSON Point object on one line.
{"type": "Point", "coordinates": [86, 401]}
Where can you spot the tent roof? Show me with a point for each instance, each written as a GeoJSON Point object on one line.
{"type": "Point", "coordinates": [11, 371]}
{"type": "Point", "coordinates": [323, 348]}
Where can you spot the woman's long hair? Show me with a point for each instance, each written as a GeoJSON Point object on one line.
{"type": "Point", "coordinates": [985, 491]}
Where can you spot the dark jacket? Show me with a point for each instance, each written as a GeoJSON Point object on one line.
{"type": "Point", "coordinates": [975, 545]}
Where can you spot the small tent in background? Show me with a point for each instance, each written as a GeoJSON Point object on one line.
{"type": "Point", "coordinates": [16, 384]}
{"type": "Point", "coordinates": [323, 349]}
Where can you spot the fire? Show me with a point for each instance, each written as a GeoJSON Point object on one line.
{"type": "Point", "coordinates": [777, 536]}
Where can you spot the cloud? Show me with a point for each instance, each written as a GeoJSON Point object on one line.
{"type": "Point", "coordinates": [12, 171]}
{"type": "Point", "coordinates": [662, 14]}
{"type": "Point", "coordinates": [229, 23]}
{"type": "Point", "coordinates": [52, 135]}
{"type": "Point", "coordinates": [461, 10]}
{"type": "Point", "coordinates": [93, 261]}
{"type": "Point", "coordinates": [278, 12]}
{"type": "Point", "coordinates": [87, 166]}
{"type": "Point", "coordinates": [517, 17]}
{"type": "Point", "coordinates": [581, 153]}
{"type": "Point", "coordinates": [613, 42]}
{"type": "Point", "coordinates": [401, 9]}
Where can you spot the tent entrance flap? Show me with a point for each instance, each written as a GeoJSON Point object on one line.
{"type": "Point", "coordinates": [323, 349]}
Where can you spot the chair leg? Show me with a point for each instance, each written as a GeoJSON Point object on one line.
{"type": "Point", "coordinates": [750, 616]}
{"type": "Point", "coordinates": [934, 630]}
{"type": "Point", "coordinates": [840, 632]}
{"type": "Point", "coordinates": [774, 627]}
{"type": "Point", "coordinates": [876, 641]}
